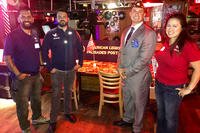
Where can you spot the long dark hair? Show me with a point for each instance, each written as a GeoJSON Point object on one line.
{"type": "Point", "coordinates": [183, 36]}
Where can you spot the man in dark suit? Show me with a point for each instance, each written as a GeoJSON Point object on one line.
{"type": "Point", "coordinates": [137, 47]}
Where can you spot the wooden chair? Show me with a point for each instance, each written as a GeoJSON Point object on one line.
{"type": "Point", "coordinates": [75, 91]}
{"type": "Point", "coordinates": [110, 90]}
{"type": "Point", "coordinates": [152, 94]}
{"type": "Point", "coordinates": [153, 67]}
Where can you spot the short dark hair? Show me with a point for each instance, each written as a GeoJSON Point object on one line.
{"type": "Point", "coordinates": [61, 10]}
{"type": "Point", "coordinates": [24, 8]}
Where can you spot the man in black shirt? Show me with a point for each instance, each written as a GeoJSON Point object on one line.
{"type": "Point", "coordinates": [22, 56]}
{"type": "Point", "coordinates": [66, 47]}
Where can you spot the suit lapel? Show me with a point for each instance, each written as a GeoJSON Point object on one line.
{"type": "Point", "coordinates": [137, 33]}
{"type": "Point", "coordinates": [123, 36]}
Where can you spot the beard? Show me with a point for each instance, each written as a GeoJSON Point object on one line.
{"type": "Point", "coordinates": [26, 25]}
{"type": "Point", "coordinates": [62, 23]}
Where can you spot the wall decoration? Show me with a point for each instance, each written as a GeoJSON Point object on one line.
{"type": "Point", "coordinates": [121, 15]}
{"type": "Point", "coordinates": [114, 13]}
{"type": "Point", "coordinates": [107, 15]}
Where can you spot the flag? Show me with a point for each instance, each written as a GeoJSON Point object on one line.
{"type": "Point", "coordinates": [91, 45]}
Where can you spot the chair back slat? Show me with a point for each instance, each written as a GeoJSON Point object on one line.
{"type": "Point", "coordinates": [110, 90]}
{"type": "Point", "coordinates": [109, 80]}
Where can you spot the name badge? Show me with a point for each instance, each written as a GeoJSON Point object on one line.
{"type": "Point", "coordinates": [37, 45]}
{"type": "Point", "coordinates": [162, 49]}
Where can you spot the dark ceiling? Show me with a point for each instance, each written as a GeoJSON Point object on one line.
{"type": "Point", "coordinates": [75, 4]}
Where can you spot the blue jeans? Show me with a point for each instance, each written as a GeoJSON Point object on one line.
{"type": "Point", "coordinates": [60, 78]}
{"type": "Point", "coordinates": [168, 102]}
{"type": "Point", "coordinates": [21, 91]}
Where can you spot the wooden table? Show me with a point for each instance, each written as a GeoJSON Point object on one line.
{"type": "Point", "coordinates": [87, 75]}
{"type": "Point", "coordinates": [90, 70]}
{"type": "Point", "coordinates": [92, 67]}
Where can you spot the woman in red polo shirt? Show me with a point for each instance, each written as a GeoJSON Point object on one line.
{"type": "Point", "coordinates": [174, 58]}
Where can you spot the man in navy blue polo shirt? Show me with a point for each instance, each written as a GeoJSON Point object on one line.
{"type": "Point", "coordinates": [66, 47]}
{"type": "Point", "coordinates": [21, 54]}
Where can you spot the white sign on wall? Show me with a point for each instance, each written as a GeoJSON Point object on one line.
{"type": "Point", "coordinates": [1, 55]}
{"type": "Point", "coordinates": [196, 1]}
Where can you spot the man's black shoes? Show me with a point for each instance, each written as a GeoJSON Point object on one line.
{"type": "Point", "coordinates": [70, 117]}
{"type": "Point", "coordinates": [122, 123]}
